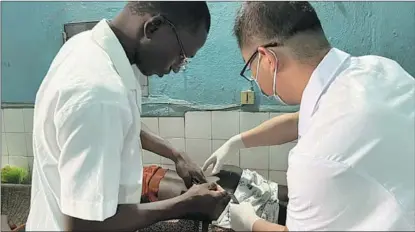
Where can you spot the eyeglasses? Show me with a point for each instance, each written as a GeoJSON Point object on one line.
{"type": "Point", "coordinates": [247, 64]}
{"type": "Point", "coordinates": [184, 60]}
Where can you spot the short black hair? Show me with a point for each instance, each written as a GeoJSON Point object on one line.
{"type": "Point", "coordinates": [274, 21]}
{"type": "Point", "coordinates": [184, 14]}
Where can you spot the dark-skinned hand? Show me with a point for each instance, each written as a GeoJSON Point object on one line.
{"type": "Point", "coordinates": [206, 201]}
{"type": "Point", "coordinates": [189, 171]}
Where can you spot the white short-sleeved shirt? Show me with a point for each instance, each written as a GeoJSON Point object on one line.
{"type": "Point", "coordinates": [86, 135]}
{"type": "Point", "coordinates": [353, 166]}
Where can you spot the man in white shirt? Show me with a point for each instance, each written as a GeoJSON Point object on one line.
{"type": "Point", "coordinates": [87, 136]}
{"type": "Point", "coordinates": [353, 165]}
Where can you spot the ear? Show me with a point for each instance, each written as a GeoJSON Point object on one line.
{"type": "Point", "coordinates": [152, 25]}
{"type": "Point", "coordinates": [269, 57]}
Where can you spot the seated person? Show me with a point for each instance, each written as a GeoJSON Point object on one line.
{"type": "Point", "coordinates": [268, 198]}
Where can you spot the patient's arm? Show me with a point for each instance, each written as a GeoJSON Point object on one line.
{"type": "Point", "coordinates": [228, 178]}
{"type": "Point", "coordinates": [172, 185]}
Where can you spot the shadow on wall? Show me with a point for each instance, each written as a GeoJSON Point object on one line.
{"type": "Point", "coordinates": [31, 36]}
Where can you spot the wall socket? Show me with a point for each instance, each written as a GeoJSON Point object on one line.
{"type": "Point", "coordinates": [247, 97]}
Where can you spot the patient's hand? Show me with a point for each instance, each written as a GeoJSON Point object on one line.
{"type": "Point", "coordinates": [205, 199]}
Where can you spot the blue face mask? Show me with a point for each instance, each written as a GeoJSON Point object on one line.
{"type": "Point", "coordinates": [274, 92]}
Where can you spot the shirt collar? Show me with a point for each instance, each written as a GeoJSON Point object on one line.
{"type": "Point", "coordinates": [320, 80]}
{"type": "Point", "coordinates": [103, 35]}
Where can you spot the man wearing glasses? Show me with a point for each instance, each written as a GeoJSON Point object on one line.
{"type": "Point", "coordinates": [87, 136]}
{"type": "Point", "coordinates": [353, 166]}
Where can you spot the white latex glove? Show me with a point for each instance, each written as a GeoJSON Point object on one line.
{"type": "Point", "coordinates": [218, 158]}
{"type": "Point", "coordinates": [242, 216]}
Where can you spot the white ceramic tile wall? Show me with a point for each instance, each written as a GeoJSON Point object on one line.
{"type": "Point", "coordinates": [264, 173]}
{"type": "Point", "coordinates": [29, 144]}
{"type": "Point", "coordinates": [28, 120]}
{"type": "Point", "coordinates": [13, 119]}
{"type": "Point", "coordinates": [225, 124]}
{"type": "Point", "coordinates": [199, 149]}
{"type": "Point", "coordinates": [30, 161]}
{"type": "Point", "coordinates": [151, 124]}
{"type": "Point", "coordinates": [17, 126]}
{"type": "Point", "coordinates": [150, 158]}
{"type": "Point", "coordinates": [198, 125]}
{"type": "Point", "coordinates": [278, 156]}
{"type": "Point", "coordinates": [171, 127]}
{"type": "Point", "coordinates": [255, 158]}
{"type": "Point", "coordinates": [198, 133]}
{"type": "Point", "coordinates": [16, 144]}
{"type": "Point", "coordinates": [2, 121]}
{"type": "Point", "coordinates": [279, 177]}
{"type": "Point", "coordinates": [4, 150]}
{"type": "Point", "coordinates": [4, 161]}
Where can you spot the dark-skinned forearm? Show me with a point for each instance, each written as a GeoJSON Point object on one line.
{"type": "Point", "coordinates": [158, 145]}
{"type": "Point", "coordinates": [133, 217]}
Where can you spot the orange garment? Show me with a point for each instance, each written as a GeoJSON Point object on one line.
{"type": "Point", "coordinates": [152, 175]}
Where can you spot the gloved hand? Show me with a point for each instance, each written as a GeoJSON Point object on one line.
{"type": "Point", "coordinates": [242, 216]}
{"type": "Point", "coordinates": [218, 158]}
